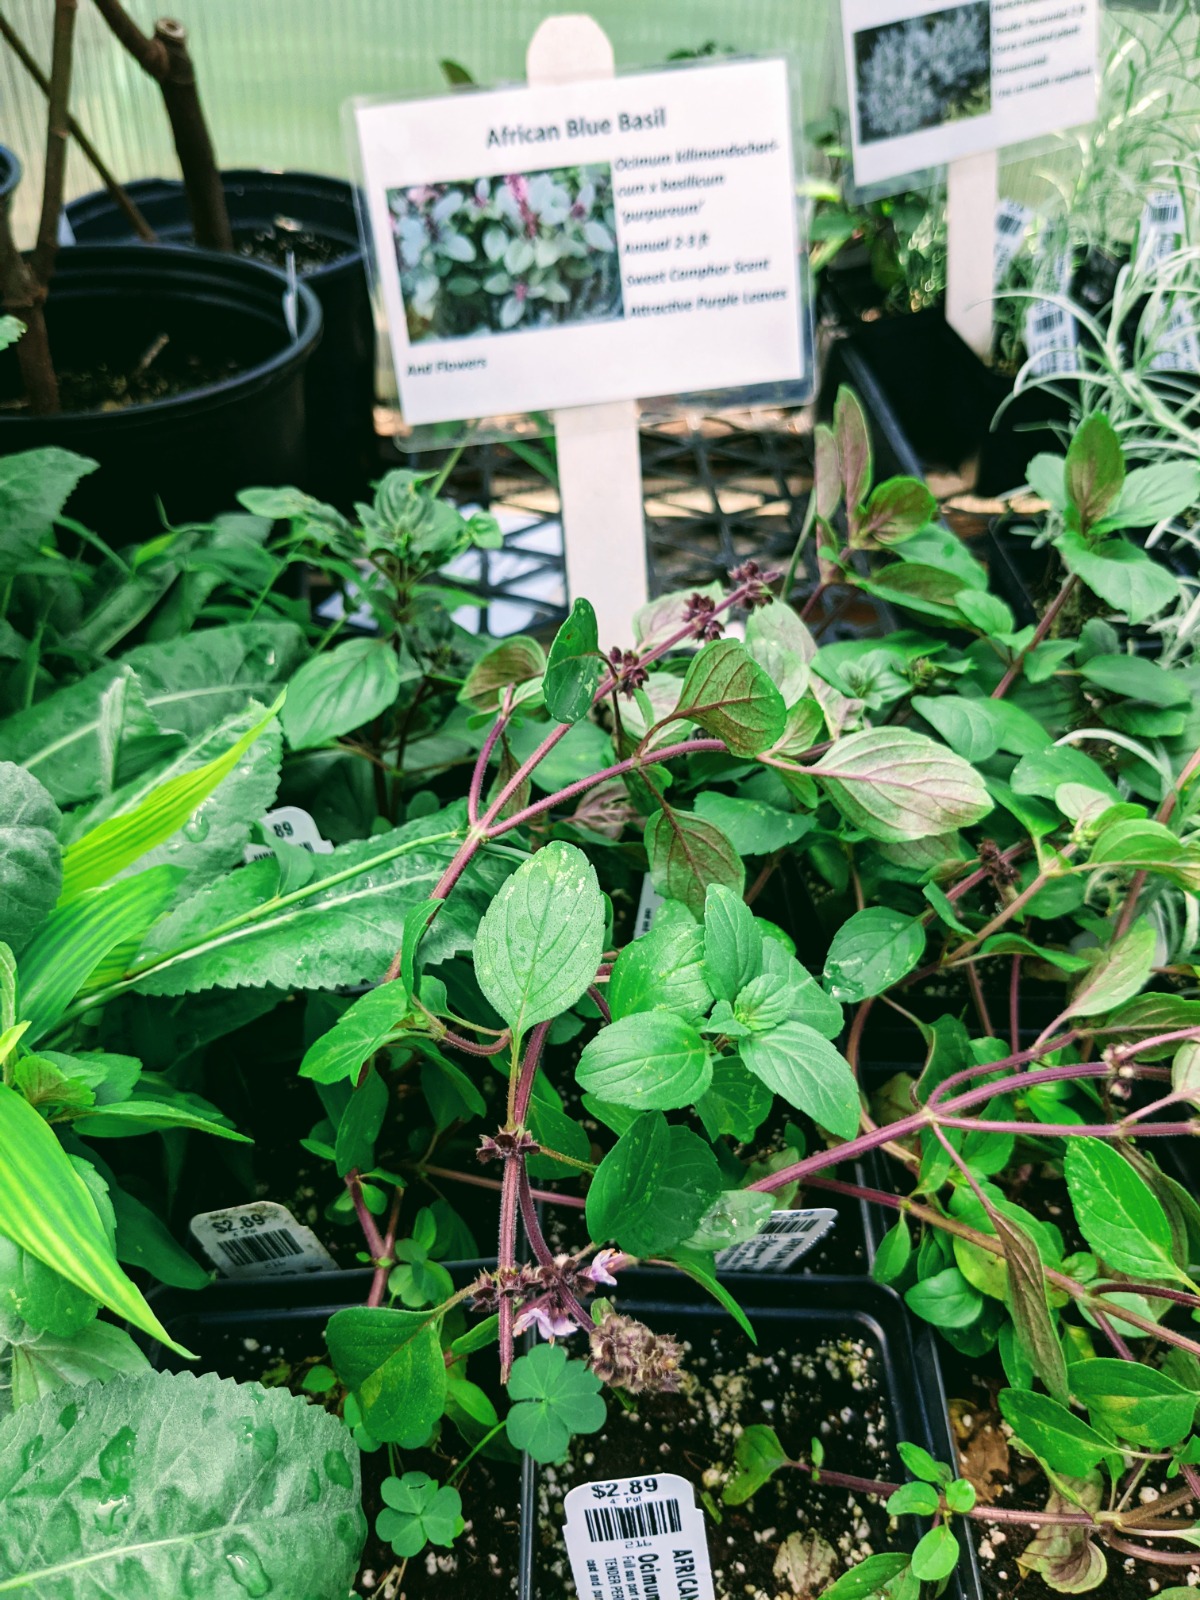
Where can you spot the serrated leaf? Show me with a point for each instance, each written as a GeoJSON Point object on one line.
{"type": "Point", "coordinates": [661, 971]}
{"type": "Point", "coordinates": [30, 859]}
{"type": "Point", "coordinates": [896, 784]}
{"type": "Point", "coordinates": [540, 941]}
{"type": "Point", "coordinates": [514, 661]}
{"type": "Point", "coordinates": [652, 1061]}
{"type": "Point", "coordinates": [797, 1063]}
{"type": "Point", "coordinates": [687, 854]}
{"type": "Point", "coordinates": [652, 1187]}
{"type": "Point", "coordinates": [729, 695]}
{"type": "Point", "coordinates": [341, 689]}
{"type": "Point", "coordinates": [213, 1478]}
{"type": "Point", "coordinates": [732, 943]}
{"type": "Point", "coordinates": [93, 1355]}
{"type": "Point", "coordinates": [872, 950]}
{"type": "Point", "coordinates": [188, 685]}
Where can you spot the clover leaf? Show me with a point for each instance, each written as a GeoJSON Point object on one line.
{"type": "Point", "coordinates": [418, 1511]}
{"type": "Point", "coordinates": [555, 1398]}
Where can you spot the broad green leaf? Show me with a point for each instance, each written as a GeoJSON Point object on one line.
{"type": "Point", "coordinates": [37, 1295]}
{"type": "Point", "coordinates": [1138, 679]}
{"type": "Point", "coordinates": [359, 1126]}
{"type": "Point", "coordinates": [867, 1579]}
{"type": "Point", "coordinates": [1137, 1403]}
{"type": "Point", "coordinates": [188, 685]}
{"type": "Point", "coordinates": [732, 942]}
{"type": "Point", "coordinates": [144, 1240]}
{"type": "Point", "coordinates": [35, 485]}
{"type": "Point", "coordinates": [687, 854]}
{"type": "Point", "coordinates": [730, 696]}
{"type": "Point", "coordinates": [223, 1488]}
{"type": "Point", "coordinates": [514, 661]}
{"type": "Point", "coordinates": [897, 509]}
{"type": "Point", "coordinates": [896, 784]}
{"type": "Point", "coordinates": [661, 971]}
{"type": "Point", "coordinates": [1060, 1438]}
{"type": "Point", "coordinates": [540, 941]}
{"type": "Point", "coordinates": [797, 1063]}
{"type": "Point", "coordinates": [652, 1061]}
{"type": "Point", "coordinates": [757, 1455]}
{"type": "Point", "coordinates": [553, 1398]}
{"type": "Point", "coordinates": [1095, 469]}
{"type": "Point", "coordinates": [1126, 577]}
{"type": "Point", "coordinates": [392, 1360]}
{"type": "Point", "coordinates": [357, 1034]}
{"type": "Point", "coordinates": [946, 1299]}
{"type": "Point", "coordinates": [47, 1209]}
{"type": "Point", "coordinates": [119, 841]}
{"type": "Point", "coordinates": [872, 950]}
{"type": "Point", "coordinates": [968, 726]}
{"type": "Point", "coordinates": [894, 1253]}
{"type": "Point", "coordinates": [1137, 841]}
{"type": "Point", "coordinates": [1117, 1213]}
{"type": "Point", "coordinates": [751, 826]}
{"type": "Point", "coordinates": [341, 689]}
{"type": "Point", "coordinates": [913, 1499]}
{"type": "Point", "coordinates": [853, 447]}
{"type": "Point", "coordinates": [936, 1555]}
{"type": "Point", "coordinates": [30, 864]}
{"type": "Point", "coordinates": [737, 1103]}
{"type": "Point", "coordinates": [1149, 1015]}
{"type": "Point", "coordinates": [1117, 973]}
{"type": "Point", "coordinates": [77, 937]}
{"type": "Point", "coordinates": [93, 1355]}
{"type": "Point", "coordinates": [418, 1511]}
{"type": "Point", "coordinates": [652, 1187]}
{"type": "Point", "coordinates": [341, 928]}
{"type": "Point", "coordinates": [573, 666]}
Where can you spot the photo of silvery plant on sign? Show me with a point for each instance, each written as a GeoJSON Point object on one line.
{"type": "Point", "coordinates": [924, 71]}
{"type": "Point", "coordinates": [531, 250]}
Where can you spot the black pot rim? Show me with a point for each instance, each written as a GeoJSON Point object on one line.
{"type": "Point", "coordinates": [172, 261]}
{"type": "Point", "coordinates": [339, 188]}
{"type": "Point", "coordinates": [10, 172]}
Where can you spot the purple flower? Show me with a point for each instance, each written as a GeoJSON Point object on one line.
{"type": "Point", "coordinates": [598, 1269]}
{"type": "Point", "coordinates": [542, 1314]}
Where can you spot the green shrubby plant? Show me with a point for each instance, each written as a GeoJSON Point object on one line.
{"type": "Point", "coordinates": [984, 805]}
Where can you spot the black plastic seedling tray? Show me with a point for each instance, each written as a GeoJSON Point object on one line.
{"type": "Point", "coordinates": [787, 1312]}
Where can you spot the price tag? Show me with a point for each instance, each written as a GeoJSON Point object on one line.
{"type": "Point", "coordinates": [784, 1239]}
{"type": "Point", "coordinates": [1012, 219]}
{"type": "Point", "coordinates": [262, 1240]}
{"type": "Point", "coordinates": [1160, 231]}
{"type": "Point", "coordinates": [1050, 338]}
{"type": "Point", "coordinates": [290, 825]}
{"type": "Point", "coordinates": [638, 1539]}
{"type": "Point", "coordinates": [647, 906]}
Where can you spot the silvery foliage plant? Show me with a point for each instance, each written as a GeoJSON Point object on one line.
{"type": "Point", "coordinates": [507, 252]}
{"type": "Point", "coordinates": [923, 71]}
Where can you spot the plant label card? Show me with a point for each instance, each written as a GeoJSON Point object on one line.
{"type": "Point", "coordinates": [638, 1539]}
{"type": "Point", "coordinates": [561, 245]}
{"type": "Point", "coordinates": [779, 1243]}
{"type": "Point", "coordinates": [259, 1240]}
{"type": "Point", "coordinates": [931, 82]}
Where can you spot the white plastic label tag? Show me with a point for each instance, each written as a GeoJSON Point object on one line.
{"type": "Point", "coordinates": [638, 1539]}
{"type": "Point", "coordinates": [647, 906]}
{"type": "Point", "coordinates": [1161, 229]}
{"type": "Point", "coordinates": [290, 825]}
{"type": "Point", "coordinates": [1050, 338]}
{"type": "Point", "coordinates": [782, 1241]}
{"type": "Point", "coordinates": [1178, 345]}
{"type": "Point", "coordinates": [262, 1240]}
{"type": "Point", "coordinates": [1012, 219]}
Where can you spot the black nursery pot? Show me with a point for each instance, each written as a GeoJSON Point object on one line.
{"type": "Point", "coordinates": [931, 401]}
{"type": "Point", "coordinates": [266, 207]}
{"type": "Point", "coordinates": [193, 450]}
{"type": "Point", "coordinates": [792, 1318]}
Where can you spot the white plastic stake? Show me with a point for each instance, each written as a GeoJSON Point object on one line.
{"type": "Point", "coordinates": [599, 466]}
{"type": "Point", "coordinates": [972, 189]}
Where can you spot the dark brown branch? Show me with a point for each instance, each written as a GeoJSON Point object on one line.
{"type": "Point", "coordinates": [24, 297]}
{"type": "Point", "coordinates": [166, 59]}
{"type": "Point", "coordinates": [57, 114]}
{"type": "Point", "coordinates": [134, 217]}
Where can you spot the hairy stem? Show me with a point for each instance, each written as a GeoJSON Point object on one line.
{"type": "Point", "coordinates": [1043, 628]}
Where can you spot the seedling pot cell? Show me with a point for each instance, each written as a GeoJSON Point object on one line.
{"type": "Point", "coordinates": [844, 1343]}
{"type": "Point", "coordinates": [195, 448]}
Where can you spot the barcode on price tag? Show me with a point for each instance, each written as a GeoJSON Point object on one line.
{"type": "Point", "coordinates": [782, 1240]}
{"type": "Point", "coordinates": [290, 825]}
{"type": "Point", "coordinates": [638, 1539]}
{"type": "Point", "coordinates": [647, 906]}
{"type": "Point", "coordinates": [262, 1240]}
{"type": "Point", "coordinates": [1178, 345]}
{"type": "Point", "coordinates": [1050, 338]}
{"type": "Point", "coordinates": [1012, 219]}
{"type": "Point", "coordinates": [1160, 231]}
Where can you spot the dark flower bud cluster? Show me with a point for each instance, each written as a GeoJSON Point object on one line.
{"type": "Point", "coordinates": [630, 674]}
{"type": "Point", "coordinates": [629, 1355]}
{"type": "Point", "coordinates": [1001, 871]}
{"type": "Point", "coordinates": [756, 582]}
{"type": "Point", "coordinates": [548, 1295]}
{"type": "Point", "coordinates": [700, 611]}
{"type": "Point", "coordinates": [506, 1142]}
